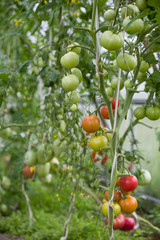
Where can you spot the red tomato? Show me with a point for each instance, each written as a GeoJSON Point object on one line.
{"type": "Point", "coordinates": [129, 224]}
{"type": "Point", "coordinates": [117, 195]}
{"type": "Point", "coordinates": [95, 159]}
{"type": "Point", "coordinates": [93, 155]}
{"type": "Point", "coordinates": [105, 113]}
{"type": "Point", "coordinates": [104, 160]}
{"type": "Point", "coordinates": [128, 205]}
{"type": "Point", "coordinates": [28, 172]}
{"type": "Point", "coordinates": [128, 183]}
{"type": "Point", "coordinates": [114, 103]}
{"type": "Point", "coordinates": [118, 222]}
{"type": "Point", "coordinates": [91, 124]}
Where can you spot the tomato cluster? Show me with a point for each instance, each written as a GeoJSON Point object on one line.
{"type": "Point", "coordinates": [151, 112]}
{"type": "Point", "coordinates": [71, 81]}
{"type": "Point", "coordinates": [122, 223]}
{"type": "Point", "coordinates": [104, 110]}
{"type": "Point", "coordinates": [101, 156]}
{"type": "Point", "coordinates": [122, 201]}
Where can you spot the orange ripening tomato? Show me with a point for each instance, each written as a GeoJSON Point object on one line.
{"type": "Point", "coordinates": [93, 155]}
{"type": "Point", "coordinates": [104, 160]}
{"type": "Point", "coordinates": [117, 182]}
{"type": "Point", "coordinates": [117, 195]}
{"type": "Point", "coordinates": [128, 205]}
{"type": "Point", "coordinates": [105, 113]}
{"type": "Point", "coordinates": [91, 124]}
{"type": "Point", "coordinates": [95, 159]}
{"type": "Point", "coordinates": [125, 193]}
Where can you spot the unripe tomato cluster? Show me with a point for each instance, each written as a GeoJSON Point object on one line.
{"type": "Point", "coordinates": [99, 139]}
{"type": "Point", "coordinates": [151, 112]}
{"type": "Point", "coordinates": [122, 201]}
{"type": "Point", "coordinates": [42, 162]}
{"type": "Point", "coordinates": [71, 81]}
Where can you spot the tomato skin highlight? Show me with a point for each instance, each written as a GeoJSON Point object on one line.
{"type": "Point", "coordinates": [128, 183]}
{"type": "Point", "coordinates": [128, 205]}
{"type": "Point", "coordinates": [129, 224]}
{"type": "Point", "coordinates": [91, 124]}
{"type": "Point", "coordinates": [118, 222]}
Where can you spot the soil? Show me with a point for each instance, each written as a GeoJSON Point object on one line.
{"type": "Point", "coordinates": [7, 237]}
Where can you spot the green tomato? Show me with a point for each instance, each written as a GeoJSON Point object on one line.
{"type": "Point", "coordinates": [78, 74]}
{"type": "Point", "coordinates": [127, 83]}
{"type": "Point", "coordinates": [109, 91]}
{"type": "Point", "coordinates": [139, 112]}
{"type": "Point", "coordinates": [141, 4]}
{"type": "Point", "coordinates": [45, 153]}
{"type": "Point", "coordinates": [59, 116]}
{"type": "Point", "coordinates": [54, 165]}
{"type": "Point", "coordinates": [112, 42]}
{"type": "Point", "coordinates": [47, 179]}
{"type": "Point", "coordinates": [131, 10]}
{"type": "Point", "coordinates": [135, 27]}
{"type": "Point", "coordinates": [40, 62]}
{"type": "Point", "coordinates": [126, 62]}
{"type": "Point", "coordinates": [144, 67]}
{"type": "Point", "coordinates": [114, 83]}
{"type": "Point", "coordinates": [51, 56]}
{"type": "Point", "coordinates": [6, 183]}
{"type": "Point", "coordinates": [70, 60]}
{"type": "Point", "coordinates": [5, 133]}
{"type": "Point", "coordinates": [141, 76]}
{"type": "Point", "coordinates": [63, 126]}
{"type": "Point", "coordinates": [43, 169]}
{"type": "Point", "coordinates": [109, 15]}
{"type": "Point", "coordinates": [75, 97]}
{"type": "Point", "coordinates": [98, 142]}
{"type": "Point", "coordinates": [153, 113]}
{"type": "Point", "coordinates": [73, 107]}
{"type": "Point", "coordinates": [36, 71]}
{"type": "Point", "coordinates": [3, 208]}
{"type": "Point", "coordinates": [70, 82]}
{"type": "Point", "coordinates": [116, 209]}
{"type": "Point", "coordinates": [75, 49]}
{"type": "Point", "coordinates": [144, 177]}
{"type": "Point", "coordinates": [30, 158]}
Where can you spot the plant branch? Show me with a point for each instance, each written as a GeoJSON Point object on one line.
{"type": "Point", "coordinates": [149, 224]}
{"type": "Point", "coordinates": [27, 203]}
